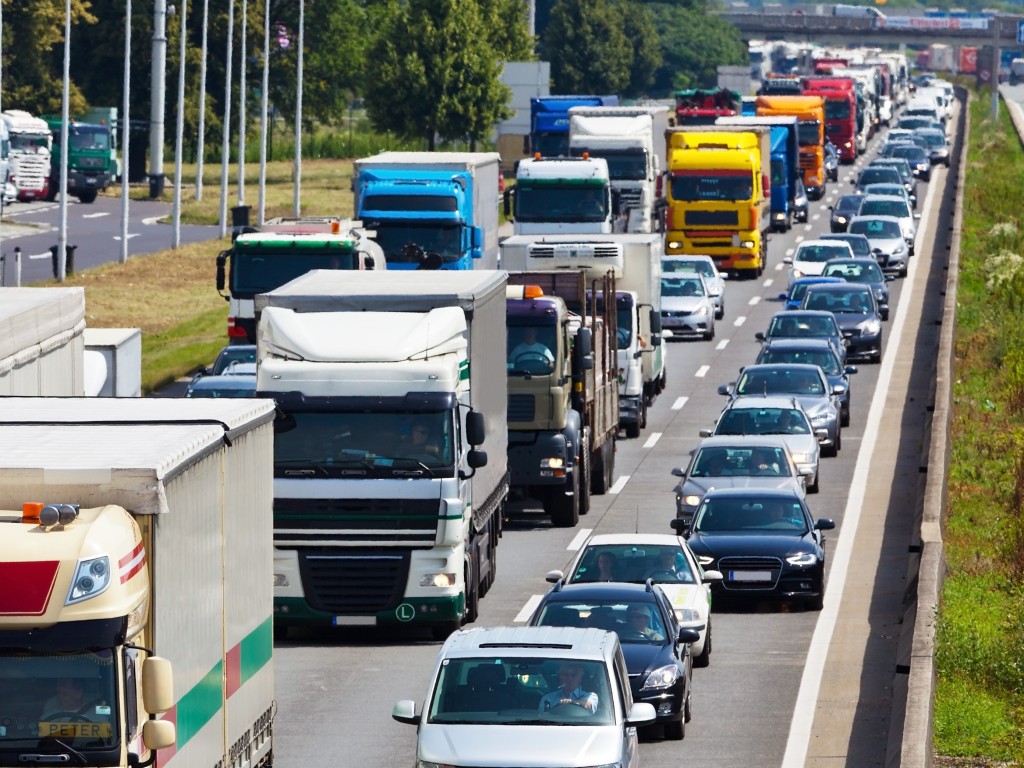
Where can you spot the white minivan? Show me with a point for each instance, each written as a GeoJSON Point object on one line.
{"type": "Point", "coordinates": [861, 11]}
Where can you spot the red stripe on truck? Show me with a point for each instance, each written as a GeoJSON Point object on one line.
{"type": "Point", "coordinates": [27, 587]}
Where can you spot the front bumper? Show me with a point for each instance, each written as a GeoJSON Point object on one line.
{"type": "Point", "coordinates": [863, 345]}
{"type": "Point", "coordinates": [527, 451]}
{"type": "Point", "coordinates": [760, 577]}
{"type": "Point", "coordinates": [630, 409]}
{"type": "Point", "coordinates": [667, 702]}
{"type": "Point", "coordinates": [683, 325]}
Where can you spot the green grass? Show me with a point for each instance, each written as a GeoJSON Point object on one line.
{"type": "Point", "coordinates": [979, 707]}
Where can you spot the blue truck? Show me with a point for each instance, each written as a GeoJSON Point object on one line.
{"type": "Point", "coordinates": [786, 173]}
{"type": "Point", "coordinates": [431, 210]}
{"type": "Point", "coordinates": [549, 121]}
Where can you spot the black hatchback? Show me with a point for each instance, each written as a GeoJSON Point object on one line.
{"type": "Point", "coordinates": [846, 208]}
{"type": "Point", "coordinates": [656, 649]}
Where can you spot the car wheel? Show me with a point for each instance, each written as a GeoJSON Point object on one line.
{"type": "Point", "coordinates": [675, 730]}
{"type": "Point", "coordinates": [710, 333]}
{"type": "Point", "coordinates": [839, 440]}
{"type": "Point", "coordinates": [830, 450]}
{"type": "Point", "coordinates": [721, 310]}
{"type": "Point", "coordinates": [600, 478]}
{"type": "Point", "coordinates": [813, 487]}
{"type": "Point", "coordinates": [643, 411]}
{"type": "Point", "coordinates": [705, 655]}
{"type": "Point", "coordinates": [844, 416]}
{"type": "Point", "coordinates": [815, 603]}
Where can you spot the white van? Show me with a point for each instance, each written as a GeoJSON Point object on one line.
{"type": "Point", "coordinates": [861, 11]}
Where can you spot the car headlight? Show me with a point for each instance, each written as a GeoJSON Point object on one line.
{"type": "Point", "coordinates": [841, 219]}
{"type": "Point", "coordinates": [688, 615]}
{"type": "Point", "coordinates": [691, 501]}
{"type": "Point", "coordinates": [796, 273]}
{"type": "Point", "coordinates": [899, 250]}
{"type": "Point", "coordinates": [662, 677]}
{"type": "Point", "coordinates": [870, 327]}
{"type": "Point", "coordinates": [705, 560]}
{"type": "Point", "coordinates": [700, 312]}
{"type": "Point", "coordinates": [803, 559]}
{"type": "Point", "coordinates": [801, 458]}
{"type": "Point", "coordinates": [820, 418]}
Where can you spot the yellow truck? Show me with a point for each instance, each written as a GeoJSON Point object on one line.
{"type": "Point", "coordinates": [719, 195]}
{"type": "Point", "coordinates": [810, 114]}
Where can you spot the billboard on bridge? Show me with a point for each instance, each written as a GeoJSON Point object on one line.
{"type": "Point", "coordinates": [921, 22]}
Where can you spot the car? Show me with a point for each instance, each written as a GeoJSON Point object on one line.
{"type": "Point", "coordinates": [897, 135]}
{"type": "Point", "coordinates": [765, 543]}
{"type": "Point", "coordinates": [729, 462]}
{"type": "Point", "coordinates": [861, 245]}
{"type": "Point", "coordinates": [876, 174]}
{"type": "Point", "coordinates": [656, 649]}
{"type": "Point", "coordinates": [817, 352]}
{"type": "Point", "coordinates": [244, 353]}
{"type": "Point", "coordinates": [886, 237]}
{"type": "Point", "coordinates": [663, 558]}
{"type": "Point", "coordinates": [903, 168]}
{"type": "Point", "coordinates": [807, 383]}
{"type": "Point", "coordinates": [687, 309]}
{"type": "Point", "coordinates": [225, 385]}
{"type": "Point", "coordinates": [938, 146]}
{"type": "Point", "coordinates": [782, 416]}
{"type": "Point", "coordinates": [483, 705]}
{"type": "Point", "coordinates": [914, 122]}
{"type": "Point", "coordinates": [898, 207]}
{"type": "Point", "coordinates": [831, 161]}
{"type": "Point", "coordinates": [845, 208]}
{"type": "Point", "coordinates": [704, 265]}
{"type": "Point", "coordinates": [896, 190]}
{"type": "Point", "coordinates": [239, 368]}
{"type": "Point", "coordinates": [919, 159]}
{"type": "Point", "coordinates": [866, 271]}
{"type": "Point", "coordinates": [805, 324]}
{"type": "Point", "coordinates": [801, 203]}
{"type": "Point", "coordinates": [810, 257]}
{"type": "Point", "coordinates": [854, 307]}
{"type": "Point", "coordinates": [795, 296]}
{"type": "Point", "coordinates": [911, 137]}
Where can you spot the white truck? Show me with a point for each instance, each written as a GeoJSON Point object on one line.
{"type": "Point", "coordinates": [635, 260]}
{"type": "Point", "coordinates": [560, 195]}
{"type": "Point", "coordinates": [390, 467]}
{"type": "Point", "coordinates": [136, 541]}
{"type": "Point", "coordinates": [42, 343]}
{"type": "Point", "coordinates": [29, 156]}
{"type": "Point", "coordinates": [630, 140]}
{"type": "Point", "coordinates": [445, 203]}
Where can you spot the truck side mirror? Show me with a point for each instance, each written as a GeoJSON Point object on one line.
{"type": "Point", "coordinates": [476, 459]}
{"type": "Point", "coordinates": [222, 258]}
{"type": "Point", "coordinates": [583, 352]}
{"type": "Point", "coordinates": [616, 203]}
{"type": "Point", "coordinates": [476, 235]}
{"type": "Point", "coordinates": [476, 431]}
{"type": "Point", "coordinates": [157, 685]}
{"type": "Point", "coordinates": [158, 734]}
{"type": "Point", "coordinates": [655, 328]}
{"type": "Point", "coordinates": [507, 200]}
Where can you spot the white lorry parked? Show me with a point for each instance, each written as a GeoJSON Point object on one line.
{"type": "Point", "coordinates": [29, 153]}
{"type": "Point", "coordinates": [390, 458]}
{"type": "Point", "coordinates": [560, 195]}
{"type": "Point", "coordinates": [635, 259]}
{"type": "Point", "coordinates": [136, 541]}
{"type": "Point", "coordinates": [630, 140]}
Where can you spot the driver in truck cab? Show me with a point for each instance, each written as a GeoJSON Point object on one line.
{"type": "Point", "coordinates": [530, 346]}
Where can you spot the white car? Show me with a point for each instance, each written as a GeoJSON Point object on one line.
{"type": "Point", "coordinates": [811, 255]}
{"type": "Point", "coordinates": [687, 309]}
{"type": "Point", "coordinates": [703, 265]}
{"type": "Point", "coordinates": [638, 557]}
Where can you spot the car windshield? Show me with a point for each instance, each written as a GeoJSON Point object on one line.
{"type": "Point", "coordinates": [934, 138]}
{"type": "Point", "coordinates": [763, 421]}
{"type": "Point", "coordinates": [780, 381]}
{"type": "Point", "coordinates": [859, 244]}
{"type": "Point", "coordinates": [855, 302]}
{"type": "Point", "coordinates": [741, 461]}
{"type": "Point", "coordinates": [517, 690]}
{"type": "Point", "coordinates": [898, 165]}
{"type": "Point", "coordinates": [909, 152]}
{"type": "Point", "coordinates": [877, 228]}
{"type": "Point", "coordinates": [239, 353]}
{"type": "Point", "coordinates": [895, 190]}
{"type": "Point", "coordinates": [818, 254]}
{"type": "Point", "coordinates": [859, 272]}
{"type": "Point", "coordinates": [790, 324]}
{"type": "Point", "coordinates": [671, 286]}
{"type": "Point", "coordinates": [634, 563]}
{"type": "Point", "coordinates": [877, 174]}
{"type": "Point", "coordinates": [896, 208]}
{"type": "Point", "coordinates": [699, 266]}
{"type": "Point", "coordinates": [634, 622]}
{"type": "Point", "coordinates": [728, 515]}
{"type": "Point", "coordinates": [849, 204]}
{"type": "Point", "coordinates": [823, 358]}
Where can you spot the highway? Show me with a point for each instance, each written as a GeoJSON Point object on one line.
{"type": "Point", "coordinates": [784, 688]}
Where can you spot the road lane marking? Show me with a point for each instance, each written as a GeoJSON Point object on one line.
{"type": "Point", "coordinates": [722, 344]}
{"type": "Point", "coordinates": [619, 485]}
{"type": "Point", "coordinates": [702, 371]}
{"type": "Point", "coordinates": [768, 283]}
{"type": "Point", "coordinates": [679, 403]}
{"type": "Point", "coordinates": [779, 266]}
{"type": "Point", "coordinates": [99, 215]}
{"type": "Point", "coordinates": [579, 538]}
{"type": "Point", "coordinates": [739, 321]}
{"type": "Point", "coordinates": [527, 610]}
{"type": "Point", "coordinates": [152, 220]}
{"type": "Point", "coordinates": [652, 440]}
{"type": "Point", "coordinates": [754, 301]}
{"type": "Point", "coordinates": [789, 252]}
{"type": "Point", "coordinates": [130, 236]}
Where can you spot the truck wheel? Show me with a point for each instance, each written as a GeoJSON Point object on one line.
{"type": "Point", "coordinates": [643, 411]}
{"type": "Point", "coordinates": [599, 470]}
{"type": "Point", "coordinates": [472, 593]}
{"type": "Point", "coordinates": [564, 509]}
{"type": "Point", "coordinates": [51, 193]}
{"type": "Point", "coordinates": [633, 429]}
{"type": "Point", "coordinates": [87, 197]}
{"type": "Point", "coordinates": [584, 468]}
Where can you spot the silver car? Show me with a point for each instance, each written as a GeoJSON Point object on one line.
{"type": "Point", "coordinates": [687, 309]}
{"type": "Point", "coordinates": [889, 205]}
{"type": "Point", "coordinates": [705, 266]}
{"type": "Point", "coordinates": [736, 462]}
{"type": "Point", "coordinates": [782, 416]}
{"type": "Point", "coordinates": [887, 241]}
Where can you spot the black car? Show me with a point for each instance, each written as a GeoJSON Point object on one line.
{"type": "Point", "coordinates": [656, 649]}
{"type": "Point", "coordinates": [233, 353]}
{"type": "Point", "coordinates": [874, 174]}
{"type": "Point", "coordinates": [938, 147]}
{"type": "Point", "coordinates": [846, 208]}
{"type": "Point", "coordinates": [867, 271]}
{"type": "Point", "coordinates": [765, 543]}
{"type": "Point", "coordinates": [804, 324]}
{"type": "Point", "coordinates": [919, 159]}
{"type": "Point", "coordinates": [814, 352]}
{"type": "Point", "coordinates": [856, 311]}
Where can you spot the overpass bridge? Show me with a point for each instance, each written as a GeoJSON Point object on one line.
{"type": "Point", "coordinates": [853, 31]}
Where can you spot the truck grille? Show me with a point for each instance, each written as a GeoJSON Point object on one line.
{"type": "Point", "coordinates": [357, 581]}
{"type": "Point", "coordinates": [521, 407]}
{"type": "Point", "coordinates": [92, 162]}
{"type": "Point", "coordinates": [712, 218]}
{"type": "Point", "coordinates": [345, 523]}
{"type": "Point", "coordinates": [733, 568]}
{"type": "Point", "coordinates": [807, 161]}
{"type": "Point", "coordinates": [630, 198]}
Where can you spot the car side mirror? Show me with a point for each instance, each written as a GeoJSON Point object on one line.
{"type": "Point", "coordinates": [759, 336]}
{"type": "Point", "coordinates": [706, 432]}
{"type": "Point", "coordinates": [678, 472]}
{"type": "Point", "coordinates": [553, 577]}
{"type": "Point", "coordinates": [787, 260]}
{"type": "Point", "coordinates": [824, 524]}
{"type": "Point", "coordinates": [710, 576]}
{"type": "Point", "coordinates": [850, 369]}
{"type": "Point", "coordinates": [689, 634]}
{"type": "Point", "coordinates": [679, 525]}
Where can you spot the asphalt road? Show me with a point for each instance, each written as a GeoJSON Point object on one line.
{"type": "Point", "coordinates": [783, 688]}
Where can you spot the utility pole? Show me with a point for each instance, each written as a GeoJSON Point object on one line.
{"type": "Point", "coordinates": [156, 105]}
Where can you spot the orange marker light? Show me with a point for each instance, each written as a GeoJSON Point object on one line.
{"type": "Point", "coordinates": [30, 510]}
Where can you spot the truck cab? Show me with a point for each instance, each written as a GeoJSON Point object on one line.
{"type": "Point", "coordinates": [91, 157]}
{"type": "Point", "coordinates": [563, 195]}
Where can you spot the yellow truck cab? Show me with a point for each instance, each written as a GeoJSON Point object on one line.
{"type": "Point", "coordinates": [810, 114]}
{"type": "Point", "coordinates": [719, 196]}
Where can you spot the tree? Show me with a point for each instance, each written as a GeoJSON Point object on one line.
{"type": "Point", "coordinates": [587, 48]}
{"type": "Point", "coordinates": [432, 72]}
{"type": "Point", "coordinates": [640, 29]}
{"type": "Point", "coordinates": [694, 43]}
{"type": "Point", "coordinates": [506, 21]}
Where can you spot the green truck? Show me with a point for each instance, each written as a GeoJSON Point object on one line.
{"type": "Point", "coordinates": [92, 153]}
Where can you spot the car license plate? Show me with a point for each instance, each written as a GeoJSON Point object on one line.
{"type": "Point", "coordinates": [90, 181]}
{"type": "Point", "coordinates": [750, 575]}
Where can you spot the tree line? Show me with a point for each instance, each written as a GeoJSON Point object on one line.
{"type": "Point", "coordinates": [423, 69]}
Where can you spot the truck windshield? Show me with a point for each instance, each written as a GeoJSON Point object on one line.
{"type": "Point", "coordinates": [393, 236]}
{"type": "Point", "coordinates": [83, 137]}
{"type": "Point", "coordinates": [551, 144]}
{"type": "Point", "coordinates": [531, 350]}
{"type": "Point", "coordinates": [24, 142]}
{"type": "Point", "coordinates": [563, 201]}
{"type": "Point", "coordinates": [701, 185]}
{"type": "Point", "coordinates": [809, 133]}
{"type": "Point", "coordinates": [262, 270]}
{"type": "Point", "coordinates": [837, 109]}
{"type": "Point", "coordinates": [69, 697]}
{"type": "Point", "coordinates": [343, 443]}
{"type": "Point", "coordinates": [622, 166]}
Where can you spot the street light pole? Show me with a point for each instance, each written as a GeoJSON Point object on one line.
{"type": "Point", "coordinates": [156, 105]}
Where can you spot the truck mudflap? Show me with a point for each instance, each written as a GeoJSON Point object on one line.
{"type": "Point", "coordinates": [296, 612]}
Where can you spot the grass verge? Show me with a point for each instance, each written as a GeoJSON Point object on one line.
{"type": "Point", "coordinates": [979, 707]}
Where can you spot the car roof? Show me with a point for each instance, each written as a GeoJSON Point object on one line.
{"type": "Point", "coordinates": [742, 441]}
{"type": "Point", "coordinates": [614, 590]}
{"type": "Point", "coordinates": [755, 367]}
{"type": "Point", "coordinates": [844, 260]}
{"type": "Point", "coordinates": [785, 492]}
{"type": "Point", "coordinates": [842, 286]}
{"type": "Point", "coordinates": [797, 342]}
{"type": "Point", "coordinates": [807, 243]}
{"type": "Point", "coordinates": [844, 236]}
{"type": "Point", "coordinates": [804, 312]}
{"type": "Point", "coordinates": [553, 642]}
{"type": "Point", "coordinates": [893, 219]}
{"type": "Point", "coordinates": [768, 401]}
{"type": "Point", "coordinates": [226, 381]}
{"type": "Point", "coordinates": [886, 198]}
{"type": "Point", "coordinates": [665, 539]}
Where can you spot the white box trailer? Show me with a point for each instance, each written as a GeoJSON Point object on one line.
{"type": "Point", "coordinates": [113, 362]}
{"type": "Point", "coordinates": [41, 341]}
{"type": "Point", "coordinates": [168, 553]}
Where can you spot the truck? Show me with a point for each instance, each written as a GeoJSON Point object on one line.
{"type": "Point", "coordinates": [635, 262]}
{"type": "Point", "coordinates": [42, 342]}
{"type": "Point", "coordinates": [702, 106]}
{"type": "Point", "coordinates": [785, 164]}
{"type": "Point", "coordinates": [260, 260]}
{"type": "Point", "coordinates": [810, 114]}
{"type": "Point", "coordinates": [549, 121]}
{"type": "Point", "coordinates": [29, 153]}
{"type": "Point", "coordinates": [555, 195]}
{"type": "Point", "coordinates": [629, 139]}
{"type": "Point", "coordinates": [92, 157]}
{"type": "Point", "coordinates": [562, 404]}
{"type": "Point", "coordinates": [445, 203]}
{"type": "Point", "coordinates": [719, 195]}
{"type": "Point", "coordinates": [780, 85]}
{"type": "Point", "coordinates": [136, 619]}
{"type": "Point", "coordinates": [840, 95]}
{"type": "Point", "coordinates": [390, 458]}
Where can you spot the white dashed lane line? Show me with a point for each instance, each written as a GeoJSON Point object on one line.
{"type": "Point", "coordinates": [739, 321]}
{"type": "Point", "coordinates": [702, 371]}
{"type": "Point", "coordinates": [722, 345]}
{"type": "Point", "coordinates": [579, 538]}
{"type": "Point", "coordinates": [652, 440]}
{"type": "Point", "coordinates": [619, 485]}
{"type": "Point", "coordinates": [679, 403]}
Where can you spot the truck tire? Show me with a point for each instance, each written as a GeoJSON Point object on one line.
{"type": "Point", "coordinates": [602, 468]}
{"type": "Point", "coordinates": [564, 509]}
{"type": "Point", "coordinates": [643, 411]}
{"type": "Point", "coordinates": [89, 196]}
{"type": "Point", "coordinates": [51, 192]}
{"type": "Point", "coordinates": [472, 592]}
{"type": "Point", "coordinates": [445, 628]}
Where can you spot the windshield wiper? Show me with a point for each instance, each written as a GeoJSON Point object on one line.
{"type": "Point", "coordinates": [301, 464]}
{"type": "Point", "coordinates": [37, 758]}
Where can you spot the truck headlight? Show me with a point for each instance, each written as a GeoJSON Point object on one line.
{"type": "Point", "coordinates": [746, 243]}
{"type": "Point", "coordinates": [552, 462]}
{"type": "Point", "coordinates": [442, 580]}
{"type": "Point", "coordinates": [674, 244]}
{"type": "Point", "coordinates": [92, 577]}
